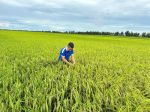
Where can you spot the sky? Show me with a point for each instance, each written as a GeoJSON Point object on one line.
{"type": "Point", "coordinates": [77, 15]}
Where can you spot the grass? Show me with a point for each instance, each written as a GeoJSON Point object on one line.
{"type": "Point", "coordinates": [111, 73]}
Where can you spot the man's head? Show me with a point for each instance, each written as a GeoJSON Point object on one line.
{"type": "Point", "coordinates": [70, 46]}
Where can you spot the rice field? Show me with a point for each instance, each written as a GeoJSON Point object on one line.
{"type": "Point", "coordinates": [111, 74]}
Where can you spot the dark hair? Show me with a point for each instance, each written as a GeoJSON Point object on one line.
{"type": "Point", "coordinates": [71, 44]}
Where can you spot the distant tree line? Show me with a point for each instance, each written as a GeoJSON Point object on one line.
{"type": "Point", "coordinates": [127, 33]}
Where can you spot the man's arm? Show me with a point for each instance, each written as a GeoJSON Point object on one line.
{"type": "Point", "coordinates": [72, 59]}
{"type": "Point", "coordinates": [65, 61]}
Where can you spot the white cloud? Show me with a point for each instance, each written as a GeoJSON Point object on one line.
{"type": "Point", "coordinates": [77, 14]}
{"type": "Point", "coordinates": [53, 3]}
{"type": "Point", "coordinates": [13, 3]}
{"type": "Point", "coordinates": [4, 24]}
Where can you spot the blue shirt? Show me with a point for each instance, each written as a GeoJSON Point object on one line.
{"type": "Point", "coordinates": [65, 53]}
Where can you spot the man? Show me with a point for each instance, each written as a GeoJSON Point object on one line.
{"type": "Point", "coordinates": [66, 53]}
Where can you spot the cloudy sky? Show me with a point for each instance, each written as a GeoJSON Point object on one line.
{"type": "Point", "coordinates": [78, 15]}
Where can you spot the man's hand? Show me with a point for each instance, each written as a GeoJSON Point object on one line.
{"type": "Point", "coordinates": [65, 61]}
{"type": "Point", "coordinates": [71, 64]}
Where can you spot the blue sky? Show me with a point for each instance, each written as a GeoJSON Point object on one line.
{"type": "Point", "coordinates": [78, 15]}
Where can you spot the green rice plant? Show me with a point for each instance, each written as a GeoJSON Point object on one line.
{"type": "Point", "coordinates": [112, 74]}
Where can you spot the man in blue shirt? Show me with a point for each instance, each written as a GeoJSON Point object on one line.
{"type": "Point", "coordinates": [66, 53]}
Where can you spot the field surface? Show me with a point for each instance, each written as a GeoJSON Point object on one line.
{"type": "Point", "coordinates": [112, 74]}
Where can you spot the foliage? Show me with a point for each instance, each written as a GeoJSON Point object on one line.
{"type": "Point", "coordinates": [111, 74]}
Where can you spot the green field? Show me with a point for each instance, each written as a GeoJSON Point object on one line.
{"type": "Point", "coordinates": [112, 74]}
